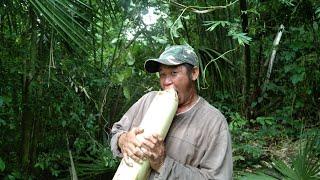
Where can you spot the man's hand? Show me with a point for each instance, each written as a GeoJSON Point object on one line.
{"type": "Point", "coordinates": [153, 147]}
{"type": "Point", "coordinates": [130, 146]}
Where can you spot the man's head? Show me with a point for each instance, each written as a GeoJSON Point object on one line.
{"type": "Point", "coordinates": [177, 67]}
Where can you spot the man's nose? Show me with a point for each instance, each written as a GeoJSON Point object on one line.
{"type": "Point", "coordinates": [168, 81]}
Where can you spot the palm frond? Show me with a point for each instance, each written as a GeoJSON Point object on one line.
{"type": "Point", "coordinates": [89, 166]}
{"type": "Point", "coordinates": [66, 19]}
{"type": "Point", "coordinates": [306, 164]}
{"type": "Point", "coordinates": [258, 176]}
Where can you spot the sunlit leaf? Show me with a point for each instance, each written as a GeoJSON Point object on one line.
{"type": "Point", "coordinates": [242, 38]}
{"type": "Point", "coordinates": [161, 40]}
{"type": "Point", "coordinates": [287, 2]}
{"type": "Point", "coordinates": [130, 59]}
{"type": "Point", "coordinates": [318, 12]}
{"type": "Point", "coordinates": [126, 92]}
{"type": "Point", "coordinates": [175, 27]}
{"type": "Point", "coordinates": [214, 24]}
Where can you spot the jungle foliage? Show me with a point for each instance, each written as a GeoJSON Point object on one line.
{"type": "Point", "coordinates": [69, 69]}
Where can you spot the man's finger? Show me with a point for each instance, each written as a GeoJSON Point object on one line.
{"type": "Point", "coordinates": [135, 158]}
{"type": "Point", "coordinates": [138, 152]}
{"type": "Point", "coordinates": [157, 136]}
{"type": "Point", "coordinates": [127, 159]}
{"type": "Point", "coordinates": [137, 143]}
{"type": "Point", "coordinates": [138, 130]}
{"type": "Point", "coordinates": [149, 144]}
{"type": "Point", "coordinates": [146, 152]}
{"type": "Point", "coordinates": [152, 139]}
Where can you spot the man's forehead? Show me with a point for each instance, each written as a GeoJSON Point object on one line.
{"type": "Point", "coordinates": [164, 67]}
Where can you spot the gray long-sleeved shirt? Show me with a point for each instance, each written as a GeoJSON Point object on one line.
{"type": "Point", "coordinates": [198, 144]}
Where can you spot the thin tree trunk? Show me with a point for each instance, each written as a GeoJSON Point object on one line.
{"type": "Point", "coordinates": [26, 125]}
{"type": "Point", "coordinates": [247, 60]}
{"type": "Point", "coordinates": [257, 80]}
{"type": "Point", "coordinates": [39, 62]}
{"type": "Point", "coordinates": [93, 31]}
{"type": "Point", "coordinates": [103, 34]}
{"type": "Point", "coordinates": [184, 23]}
{"type": "Point", "coordinates": [27, 117]}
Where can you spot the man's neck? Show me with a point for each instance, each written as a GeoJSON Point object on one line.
{"type": "Point", "coordinates": [189, 103]}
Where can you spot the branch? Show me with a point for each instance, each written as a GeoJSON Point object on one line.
{"type": "Point", "coordinates": [196, 9]}
{"type": "Point", "coordinates": [221, 56]}
{"type": "Point", "coordinates": [202, 10]}
{"type": "Point", "coordinates": [274, 51]}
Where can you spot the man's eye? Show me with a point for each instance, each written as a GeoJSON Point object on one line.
{"type": "Point", "coordinates": [174, 73]}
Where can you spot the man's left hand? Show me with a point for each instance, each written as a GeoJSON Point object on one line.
{"type": "Point", "coordinates": [154, 149]}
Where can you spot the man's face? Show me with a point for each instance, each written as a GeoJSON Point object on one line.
{"type": "Point", "coordinates": [177, 77]}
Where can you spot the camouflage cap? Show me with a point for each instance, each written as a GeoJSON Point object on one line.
{"type": "Point", "coordinates": [172, 56]}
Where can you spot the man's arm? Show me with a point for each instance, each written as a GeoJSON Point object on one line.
{"type": "Point", "coordinates": [118, 129]}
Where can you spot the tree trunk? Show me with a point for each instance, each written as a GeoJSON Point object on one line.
{"type": "Point", "coordinates": [27, 116]}
{"type": "Point", "coordinates": [39, 62]}
{"type": "Point", "coordinates": [26, 125]}
{"type": "Point", "coordinates": [247, 60]}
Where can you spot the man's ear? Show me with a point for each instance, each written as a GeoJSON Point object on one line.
{"type": "Point", "coordinates": [195, 73]}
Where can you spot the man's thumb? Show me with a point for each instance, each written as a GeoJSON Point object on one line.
{"type": "Point", "coordinates": [138, 130]}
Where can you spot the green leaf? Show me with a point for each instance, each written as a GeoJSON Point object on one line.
{"type": "Point", "coordinates": [63, 17]}
{"type": "Point", "coordinates": [242, 38]}
{"type": "Point", "coordinates": [214, 24]}
{"type": "Point", "coordinates": [39, 165]}
{"type": "Point", "coordinates": [175, 27]}
{"type": "Point", "coordinates": [237, 158]}
{"type": "Point", "coordinates": [126, 92]}
{"type": "Point", "coordinates": [130, 59]}
{"type": "Point", "coordinates": [120, 77]}
{"type": "Point", "coordinates": [161, 40]}
{"type": "Point", "coordinates": [258, 176]}
{"type": "Point", "coordinates": [2, 122]}
{"type": "Point", "coordinates": [318, 12]}
{"type": "Point", "coordinates": [253, 11]}
{"type": "Point", "coordinates": [114, 40]}
{"type": "Point", "coordinates": [287, 2]}
{"type": "Point", "coordinates": [64, 123]}
{"type": "Point", "coordinates": [296, 78]}
{"type": "Point", "coordinates": [2, 165]}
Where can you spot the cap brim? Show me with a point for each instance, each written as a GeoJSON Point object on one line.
{"type": "Point", "coordinates": [152, 65]}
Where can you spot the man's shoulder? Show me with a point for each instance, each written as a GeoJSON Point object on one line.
{"type": "Point", "coordinates": [209, 108]}
{"type": "Point", "coordinates": [213, 116]}
{"type": "Point", "coordinates": [149, 94]}
{"type": "Point", "coordinates": [147, 97]}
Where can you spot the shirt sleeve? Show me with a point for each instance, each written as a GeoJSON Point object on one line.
{"type": "Point", "coordinates": [215, 164]}
{"type": "Point", "coordinates": [119, 128]}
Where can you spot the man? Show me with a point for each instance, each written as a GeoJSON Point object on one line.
{"type": "Point", "coordinates": [198, 144]}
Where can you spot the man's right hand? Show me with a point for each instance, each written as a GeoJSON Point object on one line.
{"type": "Point", "coordinates": [130, 146]}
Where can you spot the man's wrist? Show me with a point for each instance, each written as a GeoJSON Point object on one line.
{"type": "Point", "coordinates": [160, 166]}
